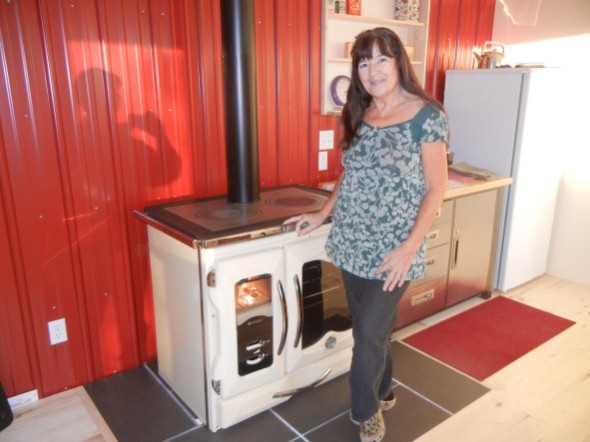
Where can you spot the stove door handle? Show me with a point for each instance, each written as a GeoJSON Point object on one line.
{"type": "Point", "coordinates": [304, 388]}
{"type": "Point", "coordinates": [285, 317]}
{"type": "Point", "coordinates": [300, 301]}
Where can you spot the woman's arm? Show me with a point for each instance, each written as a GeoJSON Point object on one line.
{"type": "Point", "coordinates": [307, 222]}
{"type": "Point", "coordinates": [399, 260]}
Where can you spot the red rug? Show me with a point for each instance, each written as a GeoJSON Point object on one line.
{"type": "Point", "coordinates": [486, 338]}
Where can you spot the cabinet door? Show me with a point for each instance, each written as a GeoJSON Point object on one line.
{"type": "Point", "coordinates": [319, 320]}
{"type": "Point", "coordinates": [472, 247]}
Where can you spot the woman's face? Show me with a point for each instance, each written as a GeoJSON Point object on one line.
{"type": "Point", "coordinates": [379, 75]}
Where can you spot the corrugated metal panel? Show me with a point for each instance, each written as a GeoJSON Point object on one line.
{"type": "Point", "coordinates": [293, 91]}
{"type": "Point", "coordinates": [16, 371]}
{"type": "Point", "coordinates": [457, 28]}
{"type": "Point", "coordinates": [105, 107]}
{"type": "Point", "coordinates": [268, 108]}
{"type": "Point", "coordinates": [43, 233]}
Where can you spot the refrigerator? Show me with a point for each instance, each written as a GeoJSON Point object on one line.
{"type": "Point", "coordinates": [507, 121]}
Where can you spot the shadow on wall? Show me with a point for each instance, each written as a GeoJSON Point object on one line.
{"type": "Point", "coordinates": [139, 141]}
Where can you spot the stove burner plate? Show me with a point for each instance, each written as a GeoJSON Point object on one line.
{"type": "Point", "coordinates": [211, 218]}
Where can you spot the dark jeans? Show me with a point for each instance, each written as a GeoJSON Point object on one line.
{"type": "Point", "coordinates": [374, 312]}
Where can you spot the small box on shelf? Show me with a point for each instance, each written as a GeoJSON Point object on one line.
{"type": "Point", "coordinates": [331, 6]}
{"type": "Point", "coordinates": [340, 6]}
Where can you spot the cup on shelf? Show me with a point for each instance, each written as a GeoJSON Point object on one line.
{"type": "Point", "coordinates": [348, 49]}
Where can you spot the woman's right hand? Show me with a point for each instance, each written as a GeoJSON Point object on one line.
{"type": "Point", "coordinates": [306, 222]}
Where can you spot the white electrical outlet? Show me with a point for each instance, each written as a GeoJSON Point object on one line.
{"type": "Point", "coordinates": [326, 139]}
{"type": "Point", "coordinates": [57, 331]}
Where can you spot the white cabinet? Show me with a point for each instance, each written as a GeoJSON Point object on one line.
{"type": "Point", "coordinates": [338, 29]}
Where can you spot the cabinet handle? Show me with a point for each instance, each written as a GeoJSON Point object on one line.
{"type": "Point", "coordinates": [455, 252]}
{"type": "Point", "coordinates": [300, 301]}
{"type": "Point", "coordinates": [285, 317]}
{"type": "Point", "coordinates": [430, 262]}
{"type": "Point", "coordinates": [422, 297]}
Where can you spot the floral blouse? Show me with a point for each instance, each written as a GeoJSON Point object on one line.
{"type": "Point", "coordinates": [381, 193]}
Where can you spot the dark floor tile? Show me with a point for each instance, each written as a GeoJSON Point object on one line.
{"type": "Point", "coordinates": [441, 384]}
{"type": "Point", "coordinates": [310, 409]}
{"type": "Point", "coordinates": [262, 427]}
{"type": "Point", "coordinates": [411, 417]}
{"type": "Point", "coordinates": [137, 407]}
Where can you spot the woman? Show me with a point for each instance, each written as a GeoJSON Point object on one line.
{"type": "Point", "coordinates": [394, 178]}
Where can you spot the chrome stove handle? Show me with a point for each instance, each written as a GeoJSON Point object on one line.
{"type": "Point", "coordinates": [304, 388]}
{"type": "Point", "coordinates": [300, 302]}
{"type": "Point", "coordinates": [285, 317]}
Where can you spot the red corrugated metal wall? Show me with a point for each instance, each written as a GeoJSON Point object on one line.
{"type": "Point", "coordinates": [457, 28]}
{"type": "Point", "coordinates": [107, 106]}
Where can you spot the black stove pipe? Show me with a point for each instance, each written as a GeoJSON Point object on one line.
{"type": "Point", "coordinates": [239, 79]}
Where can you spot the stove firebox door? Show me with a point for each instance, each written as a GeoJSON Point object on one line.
{"type": "Point", "coordinates": [245, 319]}
{"type": "Point", "coordinates": [254, 320]}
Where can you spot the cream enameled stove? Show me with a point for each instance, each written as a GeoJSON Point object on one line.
{"type": "Point", "coordinates": [247, 312]}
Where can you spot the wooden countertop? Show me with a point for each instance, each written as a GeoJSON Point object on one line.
{"type": "Point", "coordinates": [459, 185]}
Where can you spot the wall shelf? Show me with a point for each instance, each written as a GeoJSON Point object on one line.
{"type": "Point", "coordinates": [373, 20]}
{"type": "Point", "coordinates": [338, 29]}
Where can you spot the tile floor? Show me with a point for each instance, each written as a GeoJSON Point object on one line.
{"type": "Point", "coordinates": [138, 406]}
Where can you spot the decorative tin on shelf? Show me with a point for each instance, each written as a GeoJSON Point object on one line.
{"type": "Point", "coordinates": [407, 10]}
{"type": "Point", "coordinates": [353, 7]}
{"type": "Point", "coordinates": [340, 6]}
{"type": "Point", "coordinates": [330, 6]}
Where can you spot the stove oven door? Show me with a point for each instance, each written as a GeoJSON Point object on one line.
{"type": "Point", "coordinates": [245, 318]}
{"type": "Point", "coordinates": [321, 325]}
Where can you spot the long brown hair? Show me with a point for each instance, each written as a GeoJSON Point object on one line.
{"type": "Point", "coordinates": [358, 99]}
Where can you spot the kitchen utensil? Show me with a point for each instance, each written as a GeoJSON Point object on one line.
{"type": "Point", "coordinates": [492, 55]}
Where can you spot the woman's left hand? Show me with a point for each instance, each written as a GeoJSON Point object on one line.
{"type": "Point", "coordinates": [396, 263]}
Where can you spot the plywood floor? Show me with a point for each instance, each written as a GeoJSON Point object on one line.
{"type": "Point", "coordinates": [544, 395]}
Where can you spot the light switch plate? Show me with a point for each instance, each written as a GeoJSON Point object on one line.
{"type": "Point", "coordinates": [323, 161]}
{"type": "Point", "coordinates": [326, 139]}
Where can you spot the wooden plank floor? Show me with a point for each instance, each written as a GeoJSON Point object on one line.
{"type": "Point", "coordinates": [545, 395]}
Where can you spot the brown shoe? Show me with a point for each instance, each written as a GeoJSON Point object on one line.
{"type": "Point", "coordinates": [373, 429]}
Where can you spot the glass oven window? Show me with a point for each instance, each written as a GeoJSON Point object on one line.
{"type": "Point", "coordinates": [253, 292]}
{"type": "Point", "coordinates": [325, 307]}
{"type": "Point", "coordinates": [253, 297]}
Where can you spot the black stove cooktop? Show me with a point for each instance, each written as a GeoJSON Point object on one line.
{"type": "Point", "coordinates": [213, 218]}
